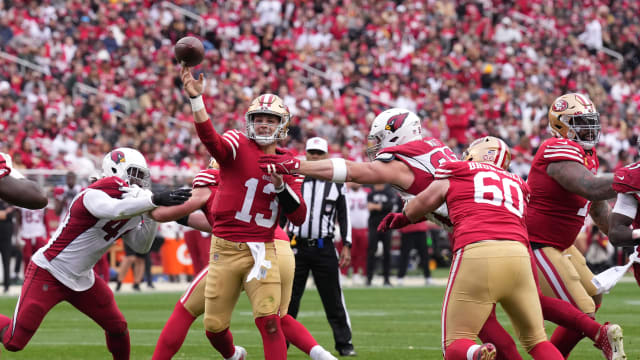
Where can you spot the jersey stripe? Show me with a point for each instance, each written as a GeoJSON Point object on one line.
{"type": "Point", "coordinates": [566, 146]}
{"type": "Point", "coordinates": [579, 159]}
{"type": "Point", "coordinates": [568, 151]}
{"type": "Point", "coordinates": [81, 221]}
{"type": "Point", "coordinates": [232, 147]}
{"type": "Point", "coordinates": [552, 277]}
{"type": "Point", "coordinates": [194, 283]}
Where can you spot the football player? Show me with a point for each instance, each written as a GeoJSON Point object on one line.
{"type": "Point", "coordinates": [565, 188]}
{"type": "Point", "coordinates": [246, 209]}
{"type": "Point", "coordinates": [191, 304]}
{"type": "Point", "coordinates": [626, 183]}
{"type": "Point", "coordinates": [487, 206]}
{"type": "Point", "coordinates": [407, 161]}
{"type": "Point", "coordinates": [111, 208]}
{"type": "Point", "coordinates": [16, 189]}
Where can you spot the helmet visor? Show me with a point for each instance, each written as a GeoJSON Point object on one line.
{"type": "Point", "coordinates": [586, 127]}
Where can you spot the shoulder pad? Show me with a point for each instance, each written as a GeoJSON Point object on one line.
{"type": "Point", "coordinates": [385, 157]}
{"type": "Point", "coordinates": [111, 185]}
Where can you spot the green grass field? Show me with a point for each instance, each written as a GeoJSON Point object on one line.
{"type": "Point", "coordinates": [397, 323]}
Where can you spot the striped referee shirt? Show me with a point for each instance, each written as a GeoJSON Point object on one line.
{"type": "Point", "coordinates": [326, 203]}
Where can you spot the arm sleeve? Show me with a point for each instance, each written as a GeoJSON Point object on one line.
{"type": "Point", "coordinates": [141, 238]}
{"type": "Point", "coordinates": [294, 189]}
{"type": "Point", "coordinates": [221, 147]}
{"type": "Point", "coordinates": [343, 216]}
{"type": "Point", "coordinates": [102, 206]}
{"type": "Point", "coordinates": [627, 205]}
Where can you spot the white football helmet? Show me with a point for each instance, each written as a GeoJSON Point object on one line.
{"type": "Point", "coordinates": [127, 164]}
{"type": "Point", "coordinates": [268, 104]}
{"type": "Point", "coordinates": [393, 127]}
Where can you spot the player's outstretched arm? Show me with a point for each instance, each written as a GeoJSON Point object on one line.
{"type": "Point", "coordinates": [575, 178]}
{"type": "Point", "coordinates": [141, 238]}
{"type": "Point", "coordinates": [198, 220]}
{"type": "Point", "coordinates": [427, 201]}
{"type": "Point", "coordinates": [198, 199]}
{"type": "Point", "coordinates": [22, 192]}
{"type": "Point", "coordinates": [340, 170]}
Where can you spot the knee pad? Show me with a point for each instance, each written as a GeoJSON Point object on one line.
{"type": "Point", "coordinates": [214, 324]}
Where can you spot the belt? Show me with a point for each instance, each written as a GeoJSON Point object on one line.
{"type": "Point", "coordinates": [317, 243]}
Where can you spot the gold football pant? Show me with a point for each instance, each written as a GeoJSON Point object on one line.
{"type": "Point", "coordinates": [565, 275]}
{"type": "Point", "coordinates": [485, 273]}
{"type": "Point", "coordinates": [229, 265]}
{"type": "Point", "coordinates": [193, 298]}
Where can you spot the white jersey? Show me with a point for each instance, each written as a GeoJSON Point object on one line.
{"type": "Point", "coordinates": [357, 200]}
{"type": "Point", "coordinates": [32, 223]}
{"type": "Point", "coordinates": [96, 218]}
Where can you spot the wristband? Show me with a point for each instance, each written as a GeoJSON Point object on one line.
{"type": "Point", "coordinates": [196, 103]}
{"type": "Point", "coordinates": [635, 234]}
{"type": "Point", "coordinates": [339, 170]}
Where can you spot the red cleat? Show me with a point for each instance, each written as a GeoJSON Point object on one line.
{"type": "Point", "coordinates": [486, 351]}
{"type": "Point", "coordinates": [609, 341]}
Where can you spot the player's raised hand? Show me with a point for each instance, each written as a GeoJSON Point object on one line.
{"type": "Point", "coordinates": [279, 164]}
{"type": "Point", "coordinates": [192, 87]}
{"type": "Point", "coordinates": [171, 197]}
{"type": "Point", "coordinates": [393, 221]}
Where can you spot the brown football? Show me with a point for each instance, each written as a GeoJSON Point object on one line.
{"type": "Point", "coordinates": [189, 50]}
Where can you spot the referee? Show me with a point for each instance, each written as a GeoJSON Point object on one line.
{"type": "Point", "coordinates": [313, 247]}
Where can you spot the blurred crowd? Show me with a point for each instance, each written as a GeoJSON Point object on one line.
{"type": "Point", "coordinates": [105, 74]}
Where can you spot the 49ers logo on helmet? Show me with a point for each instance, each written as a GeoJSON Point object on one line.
{"type": "Point", "coordinates": [117, 157]}
{"type": "Point", "coordinates": [395, 122]}
{"type": "Point", "coordinates": [560, 105]}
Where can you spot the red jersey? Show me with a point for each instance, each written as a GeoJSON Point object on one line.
{"type": "Point", "coordinates": [423, 157]}
{"type": "Point", "coordinates": [208, 178]}
{"type": "Point", "coordinates": [556, 215]}
{"type": "Point", "coordinates": [245, 207]}
{"type": "Point", "coordinates": [485, 203]}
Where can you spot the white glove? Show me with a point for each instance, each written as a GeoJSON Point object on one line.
{"type": "Point", "coordinates": [135, 191]}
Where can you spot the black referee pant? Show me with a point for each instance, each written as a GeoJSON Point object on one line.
{"type": "Point", "coordinates": [322, 262]}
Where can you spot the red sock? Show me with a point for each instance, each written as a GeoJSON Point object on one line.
{"type": "Point", "coordinates": [568, 316]}
{"type": "Point", "coordinates": [545, 351]}
{"type": "Point", "coordinates": [297, 334]}
{"type": "Point", "coordinates": [119, 345]}
{"type": "Point", "coordinates": [565, 340]}
{"type": "Point", "coordinates": [173, 333]}
{"type": "Point", "coordinates": [273, 341]}
{"type": "Point", "coordinates": [457, 350]}
{"type": "Point", "coordinates": [494, 333]}
{"type": "Point", "coordinates": [223, 342]}
{"type": "Point", "coordinates": [5, 322]}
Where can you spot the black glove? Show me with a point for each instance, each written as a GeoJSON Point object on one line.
{"type": "Point", "coordinates": [171, 197]}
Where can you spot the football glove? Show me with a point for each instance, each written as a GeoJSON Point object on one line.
{"type": "Point", "coordinates": [171, 197]}
{"type": "Point", "coordinates": [278, 164]}
{"type": "Point", "coordinates": [393, 221]}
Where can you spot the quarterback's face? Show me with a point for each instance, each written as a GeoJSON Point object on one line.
{"type": "Point", "coordinates": [265, 124]}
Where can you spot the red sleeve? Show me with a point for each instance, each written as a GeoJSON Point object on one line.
{"type": "Point", "coordinates": [298, 216]}
{"type": "Point", "coordinates": [562, 150]}
{"type": "Point", "coordinates": [449, 169]}
{"type": "Point", "coordinates": [627, 179]}
{"type": "Point", "coordinates": [221, 147]}
{"type": "Point", "coordinates": [206, 178]}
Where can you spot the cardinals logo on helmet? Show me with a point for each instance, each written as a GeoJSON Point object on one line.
{"type": "Point", "coordinates": [560, 105]}
{"type": "Point", "coordinates": [395, 122]}
{"type": "Point", "coordinates": [117, 157]}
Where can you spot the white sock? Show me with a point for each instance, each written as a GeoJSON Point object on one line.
{"type": "Point", "coordinates": [316, 351]}
{"type": "Point", "coordinates": [235, 354]}
{"type": "Point", "coordinates": [471, 350]}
